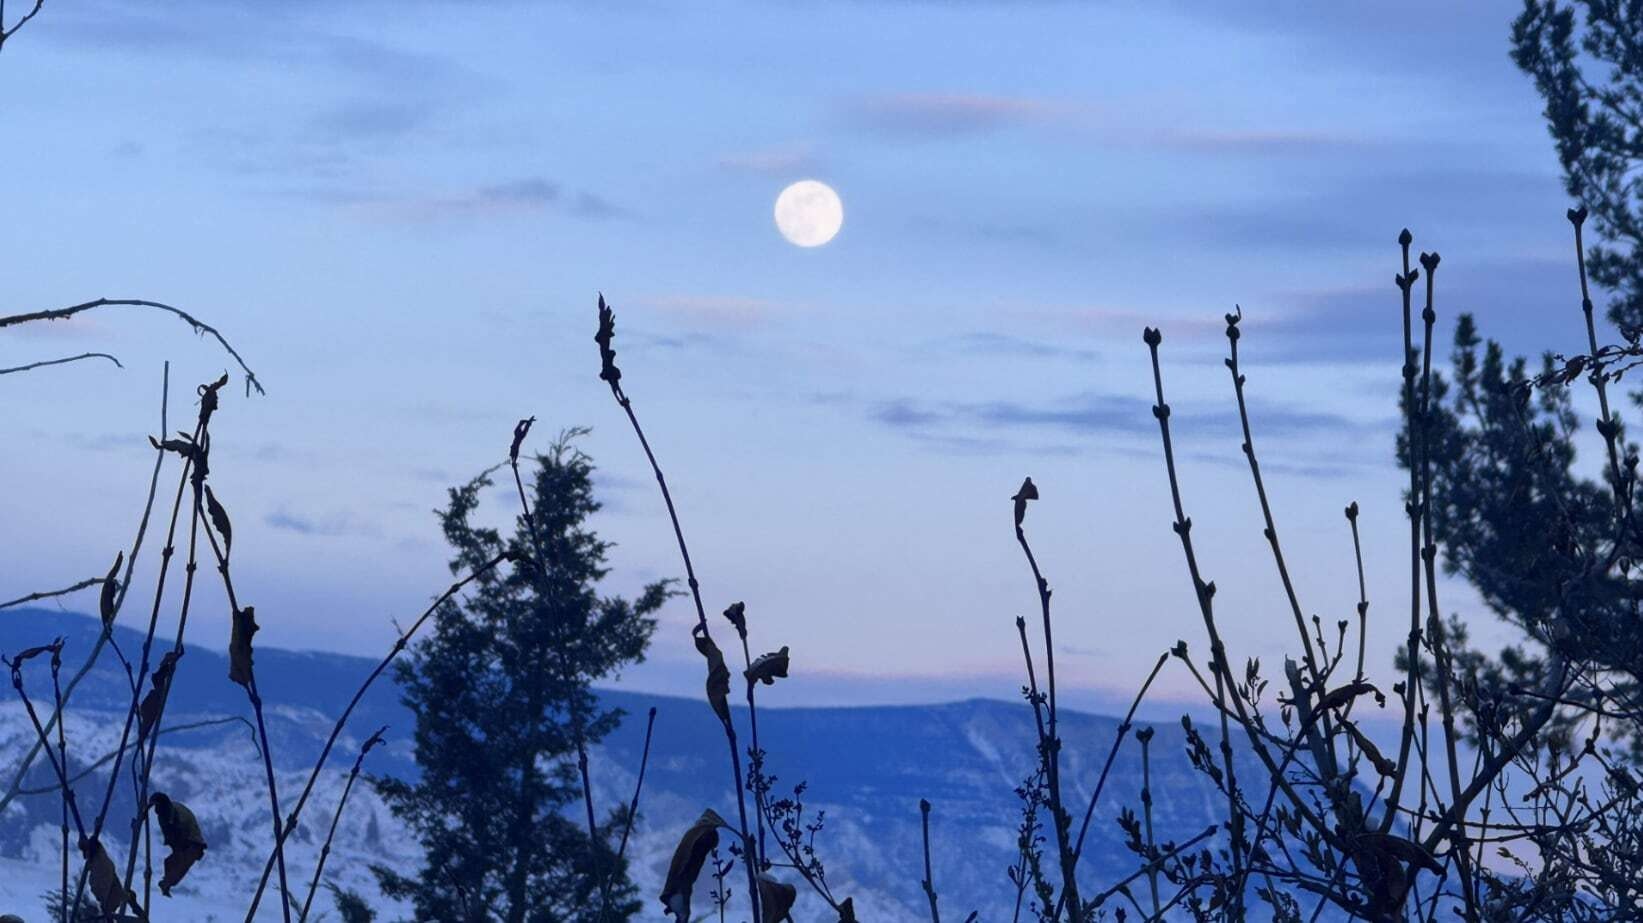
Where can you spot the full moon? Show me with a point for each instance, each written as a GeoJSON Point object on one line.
{"type": "Point", "coordinates": [809, 213]}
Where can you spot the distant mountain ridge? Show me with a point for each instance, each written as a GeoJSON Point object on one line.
{"type": "Point", "coordinates": [866, 767]}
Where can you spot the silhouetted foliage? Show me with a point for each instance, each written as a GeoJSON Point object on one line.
{"type": "Point", "coordinates": [1554, 552]}
{"type": "Point", "coordinates": [351, 908]}
{"type": "Point", "coordinates": [501, 691]}
{"type": "Point", "coordinates": [1588, 66]}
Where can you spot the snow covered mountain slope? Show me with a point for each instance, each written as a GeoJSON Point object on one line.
{"type": "Point", "coordinates": [865, 767]}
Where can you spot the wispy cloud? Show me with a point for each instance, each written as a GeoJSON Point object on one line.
{"type": "Point", "coordinates": [1265, 141]}
{"type": "Point", "coordinates": [1002, 424]}
{"type": "Point", "coordinates": [526, 195]}
{"type": "Point", "coordinates": [944, 115]}
{"type": "Point", "coordinates": [370, 119]}
{"type": "Point", "coordinates": [328, 526]}
{"type": "Point", "coordinates": [277, 35]}
{"type": "Point", "coordinates": [792, 160]}
{"type": "Point", "coordinates": [1005, 344]}
{"type": "Point", "coordinates": [728, 310]}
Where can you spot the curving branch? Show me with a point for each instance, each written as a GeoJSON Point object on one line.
{"type": "Point", "coordinates": [43, 364]}
{"type": "Point", "coordinates": [199, 326]}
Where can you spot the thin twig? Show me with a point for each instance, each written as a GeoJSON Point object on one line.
{"type": "Point", "coordinates": [8, 33]}
{"type": "Point", "coordinates": [46, 362]}
{"type": "Point", "coordinates": [612, 375]}
{"type": "Point", "coordinates": [1049, 742]}
{"type": "Point", "coordinates": [519, 432]}
{"type": "Point", "coordinates": [627, 822]}
{"type": "Point", "coordinates": [929, 880]}
{"type": "Point", "coordinates": [336, 818]}
{"type": "Point", "coordinates": [48, 594]}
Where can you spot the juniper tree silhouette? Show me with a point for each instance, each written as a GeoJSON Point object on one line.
{"type": "Point", "coordinates": [1553, 553]}
{"type": "Point", "coordinates": [501, 692]}
{"type": "Point", "coordinates": [1589, 70]}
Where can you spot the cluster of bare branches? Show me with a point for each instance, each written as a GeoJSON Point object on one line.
{"type": "Point", "coordinates": [1536, 822]}
{"type": "Point", "coordinates": [783, 821]}
{"type": "Point", "coordinates": [206, 537]}
{"type": "Point", "coordinates": [1490, 808]}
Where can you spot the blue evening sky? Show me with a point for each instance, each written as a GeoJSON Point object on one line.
{"type": "Point", "coordinates": [400, 213]}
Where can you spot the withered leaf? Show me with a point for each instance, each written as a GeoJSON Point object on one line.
{"type": "Point", "coordinates": [239, 646]}
{"type": "Point", "coordinates": [1401, 849]}
{"type": "Point", "coordinates": [688, 858]}
{"type": "Point", "coordinates": [208, 398]}
{"type": "Point", "coordinates": [149, 711]}
{"type": "Point", "coordinates": [718, 675]}
{"type": "Point", "coordinates": [737, 615]}
{"type": "Point", "coordinates": [766, 668]}
{"type": "Point", "coordinates": [104, 878]}
{"type": "Point", "coordinates": [181, 833]}
{"type": "Point", "coordinates": [1382, 765]}
{"type": "Point", "coordinates": [776, 899]}
{"type": "Point", "coordinates": [1028, 491]}
{"type": "Point", "coordinates": [111, 590]}
{"type": "Point", "coordinates": [184, 446]}
{"type": "Point", "coordinates": [607, 332]}
{"type": "Point", "coordinates": [520, 430]}
{"type": "Point", "coordinates": [1335, 698]}
{"type": "Point", "coordinates": [219, 518]}
{"type": "Point", "coordinates": [34, 652]}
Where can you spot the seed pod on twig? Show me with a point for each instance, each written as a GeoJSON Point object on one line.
{"type": "Point", "coordinates": [736, 614]}
{"type": "Point", "coordinates": [1028, 491]}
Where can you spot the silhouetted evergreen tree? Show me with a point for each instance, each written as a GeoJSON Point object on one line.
{"type": "Point", "coordinates": [501, 691]}
{"type": "Point", "coordinates": [1549, 549]}
{"type": "Point", "coordinates": [1589, 69]}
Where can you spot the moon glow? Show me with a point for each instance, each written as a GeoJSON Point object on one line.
{"type": "Point", "coordinates": [809, 213]}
